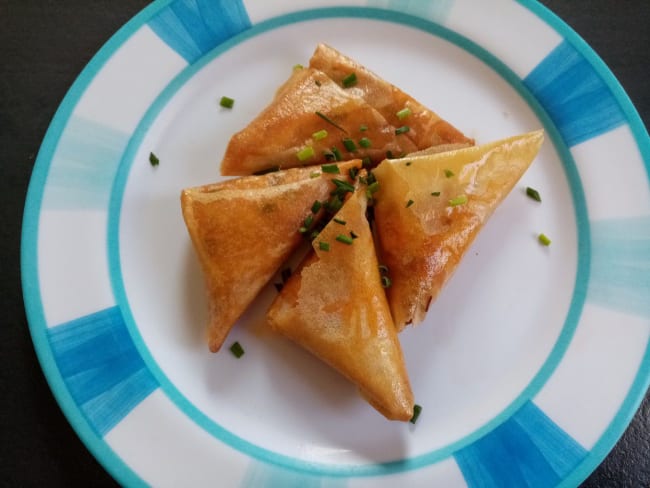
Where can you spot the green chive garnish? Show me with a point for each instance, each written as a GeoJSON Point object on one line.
{"type": "Point", "coordinates": [402, 130]}
{"type": "Point", "coordinates": [344, 239]}
{"type": "Point", "coordinates": [349, 144]}
{"type": "Point", "coordinates": [365, 142]}
{"type": "Point", "coordinates": [297, 67]}
{"type": "Point", "coordinates": [226, 102]}
{"type": "Point", "coordinates": [318, 135]}
{"type": "Point", "coordinates": [449, 173]}
{"type": "Point", "coordinates": [383, 268]}
{"type": "Point", "coordinates": [459, 200]}
{"type": "Point", "coordinates": [237, 350]}
{"type": "Point", "coordinates": [337, 154]}
{"type": "Point", "coordinates": [386, 281]}
{"type": "Point", "coordinates": [353, 173]}
{"type": "Point", "coordinates": [350, 80]}
{"type": "Point", "coordinates": [334, 204]}
{"type": "Point", "coordinates": [373, 187]}
{"type": "Point", "coordinates": [544, 240]}
{"type": "Point", "coordinates": [305, 153]}
{"type": "Point", "coordinates": [314, 174]}
{"type": "Point", "coordinates": [316, 206]}
{"type": "Point", "coordinates": [153, 159]}
{"type": "Point", "coordinates": [416, 413]}
{"type": "Point", "coordinates": [343, 185]}
{"type": "Point", "coordinates": [402, 114]}
{"type": "Point", "coordinates": [435, 193]}
{"type": "Point", "coordinates": [363, 127]}
{"type": "Point", "coordinates": [309, 220]}
{"type": "Point", "coordinates": [330, 168]}
{"type": "Point", "coordinates": [534, 194]}
{"type": "Point", "coordinates": [409, 203]}
{"type": "Point", "coordinates": [330, 121]}
{"type": "Point", "coordinates": [314, 234]}
{"type": "Point", "coordinates": [323, 246]}
{"type": "Point", "coordinates": [338, 221]}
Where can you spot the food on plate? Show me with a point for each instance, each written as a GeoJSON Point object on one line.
{"type": "Point", "coordinates": [312, 120]}
{"type": "Point", "coordinates": [244, 229]}
{"type": "Point", "coordinates": [429, 209]}
{"type": "Point", "coordinates": [335, 110]}
{"type": "Point", "coordinates": [425, 128]}
{"type": "Point", "coordinates": [334, 306]}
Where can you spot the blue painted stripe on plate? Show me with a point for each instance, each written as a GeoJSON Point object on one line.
{"type": "Point", "coordinates": [101, 367]}
{"type": "Point", "coordinates": [194, 27]}
{"type": "Point", "coordinates": [574, 95]}
{"type": "Point", "coordinates": [84, 165]}
{"type": "Point", "coordinates": [437, 11]}
{"type": "Point", "coordinates": [527, 450]}
{"type": "Point", "coordinates": [620, 266]}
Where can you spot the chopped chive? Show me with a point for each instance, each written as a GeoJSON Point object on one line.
{"type": "Point", "coordinates": [534, 194]}
{"type": "Point", "coordinates": [266, 171]}
{"type": "Point", "coordinates": [416, 413]}
{"type": "Point", "coordinates": [330, 121]}
{"type": "Point", "coordinates": [349, 144]}
{"type": "Point", "coordinates": [353, 173]}
{"type": "Point", "coordinates": [339, 221]}
{"type": "Point", "coordinates": [323, 246]}
{"type": "Point", "coordinates": [435, 193]}
{"type": "Point", "coordinates": [543, 239]}
{"type": "Point", "coordinates": [305, 153]}
{"type": "Point", "coordinates": [459, 200]}
{"type": "Point", "coordinates": [402, 130]}
{"type": "Point", "coordinates": [330, 168]}
{"type": "Point", "coordinates": [314, 234]}
{"type": "Point", "coordinates": [337, 154]}
{"type": "Point", "coordinates": [334, 204]}
{"type": "Point", "coordinates": [409, 203]}
{"type": "Point", "coordinates": [309, 220]}
{"type": "Point", "coordinates": [344, 239]}
{"type": "Point", "coordinates": [343, 185]}
{"type": "Point", "coordinates": [363, 127]}
{"type": "Point", "coordinates": [365, 142]}
{"type": "Point", "coordinates": [318, 135]}
{"type": "Point", "coordinates": [314, 174]}
{"type": "Point", "coordinates": [237, 350]}
{"type": "Point", "coordinates": [350, 80]}
{"type": "Point", "coordinates": [278, 286]}
{"type": "Point", "coordinates": [386, 282]}
{"type": "Point", "coordinates": [409, 163]}
{"type": "Point", "coordinates": [449, 173]}
{"type": "Point", "coordinates": [153, 159]}
{"type": "Point", "coordinates": [383, 268]}
{"type": "Point", "coordinates": [226, 102]}
{"type": "Point", "coordinates": [297, 67]}
{"type": "Point", "coordinates": [353, 235]}
{"type": "Point", "coordinates": [329, 155]}
{"type": "Point", "coordinates": [303, 229]}
{"type": "Point", "coordinates": [316, 206]}
{"type": "Point", "coordinates": [372, 189]}
{"type": "Point", "coordinates": [402, 114]}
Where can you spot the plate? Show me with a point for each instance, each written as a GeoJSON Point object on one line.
{"type": "Point", "coordinates": [531, 362]}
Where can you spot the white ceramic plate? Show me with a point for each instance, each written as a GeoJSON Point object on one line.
{"type": "Point", "coordinates": [531, 362]}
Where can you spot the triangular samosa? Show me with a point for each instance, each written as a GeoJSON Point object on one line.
{"type": "Point", "coordinates": [425, 128]}
{"type": "Point", "coordinates": [429, 209]}
{"type": "Point", "coordinates": [311, 120]}
{"type": "Point", "coordinates": [244, 229]}
{"type": "Point", "coordinates": [335, 307]}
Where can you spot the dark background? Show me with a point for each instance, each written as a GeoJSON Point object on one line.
{"type": "Point", "coordinates": [44, 44]}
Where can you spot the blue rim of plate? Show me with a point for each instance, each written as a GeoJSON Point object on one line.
{"type": "Point", "coordinates": [33, 205]}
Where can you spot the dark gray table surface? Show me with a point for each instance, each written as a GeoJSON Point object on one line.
{"type": "Point", "coordinates": [44, 44]}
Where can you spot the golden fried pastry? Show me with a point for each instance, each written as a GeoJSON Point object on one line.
{"type": "Point", "coordinates": [310, 120]}
{"type": "Point", "coordinates": [334, 306]}
{"type": "Point", "coordinates": [243, 230]}
{"type": "Point", "coordinates": [429, 209]}
{"type": "Point", "coordinates": [425, 128]}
